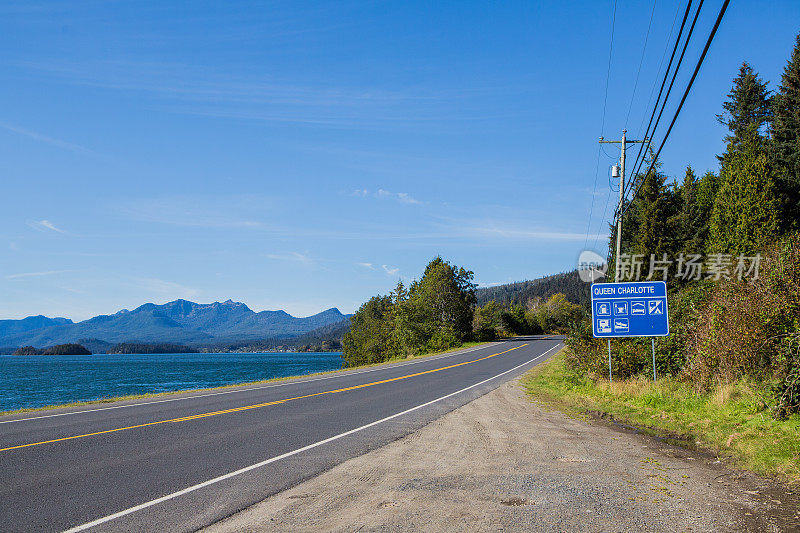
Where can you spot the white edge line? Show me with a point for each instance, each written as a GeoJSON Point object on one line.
{"type": "Point", "coordinates": [229, 475]}
{"type": "Point", "coordinates": [343, 373]}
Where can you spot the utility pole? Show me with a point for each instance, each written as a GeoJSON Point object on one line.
{"type": "Point", "coordinates": [623, 145]}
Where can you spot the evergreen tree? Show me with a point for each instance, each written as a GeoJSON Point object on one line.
{"type": "Point", "coordinates": [786, 138]}
{"type": "Point", "coordinates": [685, 221]}
{"type": "Point", "coordinates": [696, 200]}
{"type": "Point", "coordinates": [654, 235]}
{"type": "Point", "coordinates": [705, 196]}
{"type": "Point", "coordinates": [748, 106]}
{"type": "Point", "coordinates": [746, 211]}
{"type": "Point", "coordinates": [445, 296]}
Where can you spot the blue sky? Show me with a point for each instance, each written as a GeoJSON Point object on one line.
{"type": "Point", "coordinates": [304, 155]}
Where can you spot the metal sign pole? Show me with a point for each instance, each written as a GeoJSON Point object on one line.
{"type": "Point", "coordinates": [609, 361]}
{"type": "Point", "coordinates": [653, 344]}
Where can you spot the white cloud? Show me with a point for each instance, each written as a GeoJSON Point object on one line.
{"type": "Point", "coordinates": [514, 229]}
{"type": "Point", "coordinates": [38, 274]}
{"type": "Point", "coordinates": [167, 289]}
{"type": "Point", "coordinates": [45, 139]}
{"type": "Point", "coordinates": [370, 266]}
{"type": "Point", "coordinates": [45, 225]}
{"type": "Point", "coordinates": [406, 198]}
{"type": "Point", "coordinates": [291, 256]}
{"type": "Point", "coordinates": [390, 270]}
{"type": "Point", "coordinates": [402, 197]}
{"type": "Point", "coordinates": [202, 211]}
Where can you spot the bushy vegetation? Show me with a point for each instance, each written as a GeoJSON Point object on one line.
{"type": "Point", "coordinates": [433, 314]}
{"type": "Point", "coordinates": [439, 312]}
{"type": "Point", "coordinates": [726, 327]}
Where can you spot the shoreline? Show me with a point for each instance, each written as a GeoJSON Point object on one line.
{"type": "Point", "coordinates": [113, 399]}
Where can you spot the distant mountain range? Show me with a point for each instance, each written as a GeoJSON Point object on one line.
{"type": "Point", "coordinates": [180, 322]}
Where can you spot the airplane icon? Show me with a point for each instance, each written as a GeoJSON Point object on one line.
{"type": "Point", "coordinates": [621, 325]}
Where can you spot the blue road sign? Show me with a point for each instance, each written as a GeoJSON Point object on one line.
{"type": "Point", "coordinates": [634, 309]}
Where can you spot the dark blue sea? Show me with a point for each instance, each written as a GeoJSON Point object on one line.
{"type": "Point", "coordinates": [39, 380]}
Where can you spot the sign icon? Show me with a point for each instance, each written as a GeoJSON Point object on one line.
{"type": "Point", "coordinates": [621, 325]}
{"type": "Point", "coordinates": [638, 308]}
{"type": "Point", "coordinates": [620, 308]}
{"type": "Point", "coordinates": [603, 309]}
{"type": "Point", "coordinates": [655, 307]}
{"type": "Point", "coordinates": [604, 325]}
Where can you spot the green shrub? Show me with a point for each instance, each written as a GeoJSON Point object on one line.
{"type": "Point", "coordinates": [587, 354]}
{"type": "Point", "coordinates": [744, 327]}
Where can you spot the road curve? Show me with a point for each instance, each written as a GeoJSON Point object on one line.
{"type": "Point", "coordinates": [178, 463]}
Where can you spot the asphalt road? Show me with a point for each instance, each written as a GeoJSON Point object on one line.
{"type": "Point", "coordinates": [178, 463]}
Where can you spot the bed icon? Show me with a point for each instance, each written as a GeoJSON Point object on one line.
{"type": "Point", "coordinates": [638, 308]}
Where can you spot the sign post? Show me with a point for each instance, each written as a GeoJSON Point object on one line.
{"type": "Point", "coordinates": [631, 309]}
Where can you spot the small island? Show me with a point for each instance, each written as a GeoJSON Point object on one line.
{"type": "Point", "coordinates": [58, 349]}
{"type": "Point", "coordinates": [149, 348]}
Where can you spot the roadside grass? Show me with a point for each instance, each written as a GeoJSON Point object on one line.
{"type": "Point", "coordinates": [733, 421]}
{"type": "Point", "coordinates": [112, 399]}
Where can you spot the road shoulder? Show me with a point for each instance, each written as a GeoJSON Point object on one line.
{"type": "Point", "coordinates": [503, 462]}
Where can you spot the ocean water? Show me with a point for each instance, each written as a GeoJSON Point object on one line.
{"type": "Point", "coordinates": [39, 380]}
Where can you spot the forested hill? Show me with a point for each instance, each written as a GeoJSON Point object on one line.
{"type": "Point", "coordinates": [521, 292]}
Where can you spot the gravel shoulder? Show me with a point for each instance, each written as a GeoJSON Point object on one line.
{"type": "Point", "coordinates": [504, 463]}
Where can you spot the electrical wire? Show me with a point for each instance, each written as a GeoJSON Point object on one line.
{"type": "Point", "coordinates": [685, 94]}
{"type": "Point", "coordinates": [660, 64]}
{"type": "Point", "coordinates": [602, 125]}
{"type": "Point", "coordinates": [642, 153]}
{"type": "Point", "coordinates": [641, 60]}
{"type": "Point", "coordinates": [645, 146]}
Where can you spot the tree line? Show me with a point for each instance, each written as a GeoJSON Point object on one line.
{"type": "Point", "coordinates": [752, 200]}
{"type": "Point", "coordinates": [723, 327]}
{"type": "Point", "coordinates": [439, 311]}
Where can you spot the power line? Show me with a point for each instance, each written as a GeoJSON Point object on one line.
{"type": "Point", "coordinates": [602, 125]}
{"type": "Point", "coordinates": [640, 156]}
{"type": "Point", "coordinates": [685, 94]}
{"type": "Point", "coordinates": [661, 64]}
{"type": "Point", "coordinates": [641, 60]}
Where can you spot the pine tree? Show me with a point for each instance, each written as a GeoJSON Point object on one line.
{"type": "Point", "coordinates": [748, 105]}
{"type": "Point", "coordinates": [746, 211]}
{"type": "Point", "coordinates": [655, 209]}
{"type": "Point", "coordinates": [786, 138]}
{"type": "Point", "coordinates": [705, 195]}
{"type": "Point", "coordinates": [686, 220]}
{"type": "Point", "coordinates": [695, 198]}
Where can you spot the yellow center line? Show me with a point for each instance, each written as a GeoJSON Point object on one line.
{"type": "Point", "coordinates": [255, 406]}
